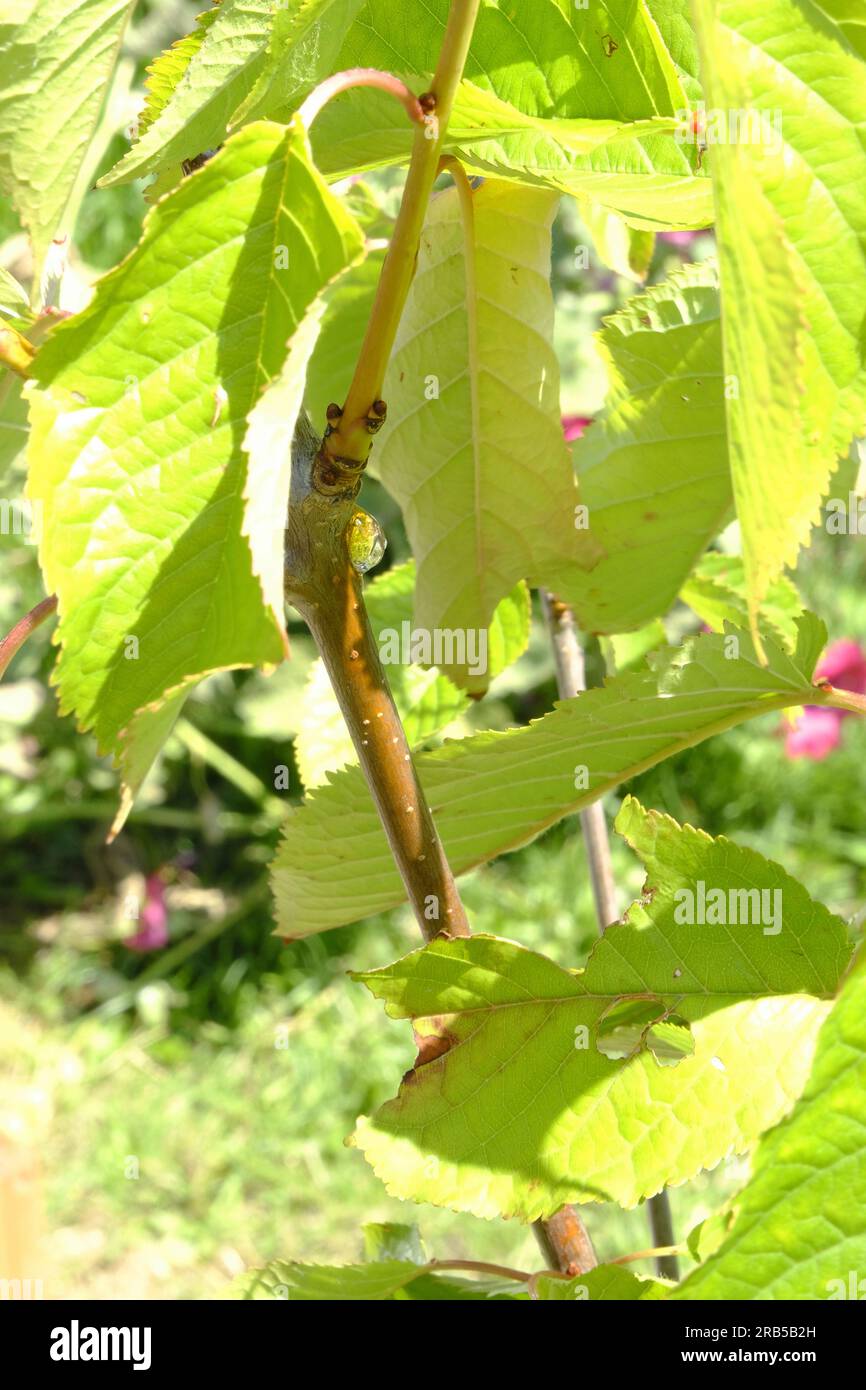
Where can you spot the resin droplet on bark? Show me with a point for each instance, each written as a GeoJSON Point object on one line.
{"type": "Point", "coordinates": [366, 541]}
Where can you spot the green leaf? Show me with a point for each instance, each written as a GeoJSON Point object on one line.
{"type": "Point", "coordinates": [427, 700]}
{"type": "Point", "coordinates": [247, 59]}
{"type": "Point", "coordinates": [799, 1229]}
{"type": "Point", "coordinates": [496, 791]}
{"type": "Point", "coordinates": [166, 71]}
{"type": "Point", "coordinates": [430, 1288]}
{"type": "Point", "coordinates": [139, 415]}
{"type": "Point", "coordinates": [195, 92]}
{"type": "Point", "coordinates": [387, 1240]}
{"type": "Point", "coordinates": [518, 1111]}
{"type": "Point", "coordinates": [333, 1283]}
{"type": "Point", "coordinates": [717, 591]}
{"type": "Point", "coordinates": [13, 297]}
{"type": "Point", "coordinates": [653, 468]}
{"type": "Point", "coordinates": [303, 46]}
{"type": "Point", "coordinates": [642, 177]}
{"type": "Point", "coordinates": [624, 650]}
{"type": "Point", "coordinates": [13, 419]}
{"type": "Point", "coordinates": [607, 1283]}
{"type": "Point", "coordinates": [473, 448]}
{"type": "Point", "coordinates": [705, 1239]}
{"type": "Point", "coordinates": [673, 18]}
{"type": "Point", "coordinates": [622, 249]}
{"type": "Point", "coordinates": [380, 1281]}
{"type": "Point", "coordinates": [56, 63]}
{"type": "Point", "coordinates": [791, 226]}
{"type": "Point", "coordinates": [14, 425]}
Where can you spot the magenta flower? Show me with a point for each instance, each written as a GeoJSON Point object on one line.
{"type": "Point", "coordinates": [573, 426]}
{"type": "Point", "coordinates": [818, 731]}
{"type": "Point", "coordinates": [152, 932]}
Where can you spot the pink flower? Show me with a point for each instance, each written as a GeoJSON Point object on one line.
{"type": "Point", "coordinates": [815, 734]}
{"type": "Point", "coordinates": [573, 426]}
{"type": "Point", "coordinates": [678, 238]}
{"type": "Point", "coordinates": [844, 665]}
{"type": "Point", "coordinates": [152, 931]}
{"type": "Point", "coordinates": [818, 731]}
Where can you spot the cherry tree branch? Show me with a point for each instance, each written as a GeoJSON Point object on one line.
{"type": "Point", "coordinates": [321, 582]}
{"type": "Point", "coordinates": [565, 1242]}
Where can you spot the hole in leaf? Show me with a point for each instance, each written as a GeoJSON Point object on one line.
{"type": "Point", "coordinates": [636, 1025]}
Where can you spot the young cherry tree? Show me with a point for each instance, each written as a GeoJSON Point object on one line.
{"type": "Point", "coordinates": [198, 436]}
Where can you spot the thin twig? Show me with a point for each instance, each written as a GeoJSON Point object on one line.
{"type": "Point", "coordinates": [360, 77]}
{"type": "Point", "coordinates": [657, 1252]}
{"type": "Point", "coordinates": [551, 1234]}
{"type": "Point", "coordinates": [571, 681]}
{"type": "Point", "coordinates": [523, 1276]}
{"type": "Point", "coordinates": [14, 640]}
{"type": "Point", "coordinates": [351, 439]}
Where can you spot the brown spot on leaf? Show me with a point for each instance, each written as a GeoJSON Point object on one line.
{"type": "Point", "coordinates": [430, 1046]}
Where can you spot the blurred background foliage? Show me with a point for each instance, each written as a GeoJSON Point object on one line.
{"type": "Point", "coordinates": [188, 1106]}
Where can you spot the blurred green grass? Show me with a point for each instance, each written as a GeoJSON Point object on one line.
{"type": "Point", "coordinates": [235, 1133]}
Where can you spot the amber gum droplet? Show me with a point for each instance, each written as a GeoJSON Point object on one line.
{"type": "Point", "coordinates": [366, 541]}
